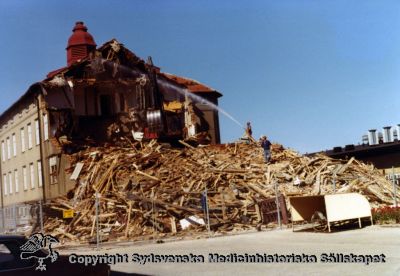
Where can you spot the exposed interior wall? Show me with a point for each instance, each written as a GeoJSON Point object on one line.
{"type": "Point", "coordinates": [91, 107]}
{"type": "Point", "coordinates": [210, 116]}
{"type": "Point", "coordinates": [60, 97]}
{"type": "Point", "coordinates": [91, 100]}
{"type": "Point", "coordinates": [79, 96]}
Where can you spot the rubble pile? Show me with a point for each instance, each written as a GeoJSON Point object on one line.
{"type": "Point", "coordinates": [153, 189]}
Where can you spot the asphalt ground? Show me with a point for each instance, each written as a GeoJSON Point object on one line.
{"type": "Point", "coordinates": [373, 250]}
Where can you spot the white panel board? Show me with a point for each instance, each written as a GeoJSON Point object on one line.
{"type": "Point", "coordinates": [346, 206]}
{"type": "Point", "coordinates": [77, 171]}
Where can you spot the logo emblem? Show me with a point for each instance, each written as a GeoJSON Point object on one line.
{"type": "Point", "coordinates": [39, 247]}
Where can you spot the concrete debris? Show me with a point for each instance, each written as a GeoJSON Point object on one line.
{"type": "Point", "coordinates": [115, 46]}
{"type": "Point", "coordinates": [58, 81]}
{"type": "Point", "coordinates": [185, 223]}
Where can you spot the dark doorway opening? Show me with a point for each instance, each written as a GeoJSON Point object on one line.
{"type": "Point", "coordinates": [105, 105]}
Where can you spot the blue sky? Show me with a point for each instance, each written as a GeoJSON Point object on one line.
{"type": "Point", "coordinates": [309, 74]}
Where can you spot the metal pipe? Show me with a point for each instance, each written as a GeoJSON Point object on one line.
{"type": "Point", "coordinates": [278, 209]}
{"type": "Point", "coordinates": [3, 220]}
{"type": "Point", "coordinates": [372, 137]}
{"type": "Point", "coordinates": [334, 183]}
{"type": "Point", "coordinates": [1, 193]}
{"type": "Point", "coordinates": [15, 217]}
{"type": "Point", "coordinates": [204, 205]}
{"type": "Point", "coordinates": [41, 147]}
{"type": "Point", "coordinates": [394, 188]}
{"type": "Point", "coordinates": [398, 131]}
{"type": "Point", "coordinates": [386, 134]}
{"type": "Point", "coordinates": [97, 221]}
{"type": "Point", "coordinates": [41, 216]}
{"type": "Point", "coordinates": [207, 210]}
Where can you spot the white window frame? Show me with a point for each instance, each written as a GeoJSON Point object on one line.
{"type": "Point", "coordinates": [30, 144]}
{"type": "Point", "coordinates": [10, 182]}
{"type": "Point", "coordinates": [25, 177]}
{"type": "Point", "coordinates": [16, 180]}
{"type": "Point", "coordinates": [32, 175]}
{"type": "Point", "coordinates": [23, 145]}
{"type": "Point", "coordinates": [45, 127]}
{"type": "Point", "coordinates": [3, 151]}
{"type": "Point", "coordinates": [14, 142]}
{"type": "Point", "coordinates": [37, 133]}
{"type": "Point", "coordinates": [39, 169]}
{"type": "Point", "coordinates": [8, 148]}
{"type": "Point", "coordinates": [5, 184]}
{"type": "Point", "coordinates": [53, 168]}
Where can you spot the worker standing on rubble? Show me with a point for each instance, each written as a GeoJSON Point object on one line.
{"type": "Point", "coordinates": [266, 145]}
{"type": "Point", "coordinates": [247, 135]}
{"type": "Point", "coordinates": [249, 131]}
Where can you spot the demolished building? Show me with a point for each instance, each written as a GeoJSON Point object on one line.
{"type": "Point", "coordinates": [103, 94]}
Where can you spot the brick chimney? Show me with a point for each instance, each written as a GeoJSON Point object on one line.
{"type": "Point", "coordinates": [80, 43]}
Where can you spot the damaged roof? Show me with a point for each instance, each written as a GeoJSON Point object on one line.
{"type": "Point", "coordinates": [113, 50]}
{"type": "Point", "coordinates": [192, 85]}
{"type": "Point", "coordinates": [130, 59]}
{"type": "Point", "coordinates": [126, 57]}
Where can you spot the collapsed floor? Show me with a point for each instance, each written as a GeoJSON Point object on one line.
{"type": "Point", "coordinates": [148, 189]}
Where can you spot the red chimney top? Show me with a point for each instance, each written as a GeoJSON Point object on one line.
{"type": "Point", "coordinates": [80, 43]}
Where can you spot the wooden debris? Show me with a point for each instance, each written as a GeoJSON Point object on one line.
{"type": "Point", "coordinates": [146, 189]}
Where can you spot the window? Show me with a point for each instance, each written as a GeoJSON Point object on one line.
{"type": "Point", "coordinates": [5, 184]}
{"type": "Point", "coordinates": [22, 211]}
{"type": "Point", "coordinates": [45, 127]}
{"type": "Point", "coordinates": [25, 178]}
{"type": "Point", "coordinates": [14, 141]}
{"type": "Point", "coordinates": [10, 182]}
{"type": "Point", "coordinates": [3, 151]}
{"type": "Point", "coordinates": [16, 180]}
{"type": "Point", "coordinates": [29, 136]}
{"type": "Point", "coordinates": [8, 148]}
{"type": "Point", "coordinates": [22, 140]}
{"type": "Point", "coordinates": [53, 169]}
{"type": "Point", "coordinates": [37, 134]}
{"type": "Point", "coordinates": [32, 170]}
{"type": "Point", "coordinates": [39, 169]}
